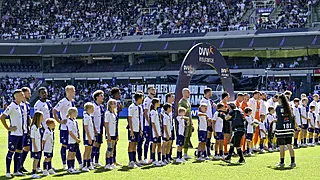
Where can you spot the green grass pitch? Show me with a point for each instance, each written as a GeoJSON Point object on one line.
{"type": "Point", "coordinates": [259, 167]}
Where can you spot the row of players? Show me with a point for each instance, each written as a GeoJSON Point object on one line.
{"type": "Point", "coordinates": [141, 116]}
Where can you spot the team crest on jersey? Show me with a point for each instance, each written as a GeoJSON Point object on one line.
{"type": "Point", "coordinates": [281, 110]}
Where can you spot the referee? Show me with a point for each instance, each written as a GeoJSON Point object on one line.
{"type": "Point", "coordinates": [238, 129]}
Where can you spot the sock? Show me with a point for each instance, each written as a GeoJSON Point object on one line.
{"type": "Point", "coordinates": [295, 142]}
{"type": "Point", "coordinates": [163, 157]}
{"type": "Point", "coordinates": [239, 151]}
{"type": "Point", "coordinates": [151, 149]}
{"type": "Point", "coordinates": [261, 146]}
{"type": "Point", "coordinates": [50, 165]}
{"type": "Point", "coordinates": [216, 153]}
{"type": "Point", "coordinates": [316, 139]}
{"type": "Point", "coordinates": [115, 152]}
{"type": "Point", "coordinates": [208, 144]}
{"type": "Point", "coordinates": [269, 144]}
{"type": "Point", "coordinates": [231, 150]}
{"type": "Point", "coordinates": [221, 153]}
{"type": "Point", "coordinates": [107, 161]}
{"type": "Point", "coordinates": [38, 166]}
{"type": "Point", "coordinates": [180, 154]}
{"type": "Point", "coordinates": [63, 153]}
{"type": "Point", "coordinates": [88, 163]}
{"type": "Point", "coordinates": [145, 150]}
{"type": "Point", "coordinates": [16, 158]}
{"type": "Point", "coordinates": [23, 157]}
{"type": "Point", "coordinates": [72, 163]}
{"type": "Point", "coordinates": [78, 156]}
{"type": "Point", "coordinates": [204, 153]}
{"type": "Point", "coordinates": [153, 156]}
{"type": "Point", "coordinates": [129, 155]}
{"type": "Point", "coordinates": [139, 149]}
{"type": "Point", "coordinates": [199, 154]}
{"type": "Point", "coordinates": [170, 154]}
{"type": "Point", "coordinates": [225, 145]}
{"type": "Point", "coordinates": [45, 165]}
{"type": "Point", "coordinates": [292, 160]}
{"type": "Point", "coordinates": [97, 155]}
{"type": "Point", "coordinates": [8, 160]}
{"type": "Point", "coordinates": [304, 140]}
{"type": "Point", "coordinates": [112, 160]}
{"type": "Point", "coordinates": [33, 171]}
{"type": "Point", "coordinates": [159, 156]}
{"type": "Point", "coordinates": [281, 160]}
{"type": "Point", "coordinates": [93, 153]}
{"type": "Point", "coordinates": [69, 164]}
{"type": "Point", "coordinates": [310, 140]}
{"type": "Point", "coordinates": [134, 156]}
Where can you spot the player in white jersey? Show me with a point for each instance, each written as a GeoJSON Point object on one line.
{"type": "Point", "coordinates": [147, 123]}
{"type": "Point", "coordinates": [297, 117]}
{"type": "Point", "coordinates": [111, 135]}
{"type": "Point", "coordinates": [98, 121]}
{"type": "Point", "coordinates": [263, 103]}
{"type": "Point", "coordinates": [25, 106]}
{"type": "Point", "coordinates": [15, 139]}
{"type": "Point", "coordinates": [271, 120]}
{"type": "Point", "coordinates": [134, 128]}
{"type": "Point", "coordinates": [218, 118]}
{"type": "Point", "coordinates": [88, 136]}
{"type": "Point", "coordinates": [272, 101]}
{"type": "Point", "coordinates": [140, 138]}
{"type": "Point", "coordinates": [250, 127]}
{"type": "Point", "coordinates": [62, 107]}
{"type": "Point", "coordinates": [167, 133]}
{"type": "Point", "coordinates": [203, 119]}
{"type": "Point", "coordinates": [182, 121]}
{"type": "Point", "coordinates": [210, 105]}
{"type": "Point", "coordinates": [304, 121]}
{"type": "Point", "coordinates": [263, 132]}
{"type": "Point", "coordinates": [47, 146]}
{"type": "Point", "coordinates": [313, 126]}
{"type": "Point", "coordinates": [36, 146]}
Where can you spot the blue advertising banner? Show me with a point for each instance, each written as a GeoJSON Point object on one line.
{"type": "Point", "coordinates": [264, 10]}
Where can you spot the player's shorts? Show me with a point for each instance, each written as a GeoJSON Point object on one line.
{"type": "Point", "coordinates": [249, 136]}
{"type": "Point", "coordinates": [210, 129]}
{"type": "Point", "coordinates": [262, 135]}
{"type": "Point", "coordinates": [133, 139]}
{"type": "Point", "coordinates": [284, 141]}
{"type": "Point", "coordinates": [172, 135]}
{"type": "Point", "coordinates": [296, 129]}
{"type": "Point", "coordinates": [219, 136]}
{"type": "Point", "coordinates": [48, 155]}
{"type": "Point", "coordinates": [226, 127]}
{"type": "Point", "coordinates": [313, 130]}
{"type": "Point", "coordinates": [180, 140]}
{"type": "Point", "coordinates": [86, 143]}
{"type": "Point", "coordinates": [26, 140]}
{"type": "Point", "coordinates": [15, 142]}
{"type": "Point", "coordinates": [64, 135]}
{"type": "Point", "coordinates": [165, 139]}
{"type": "Point", "coordinates": [202, 136]}
{"type": "Point", "coordinates": [236, 138]}
{"type": "Point", "coordinates": [147, 133]}
{"type": "Point", "coordinates": [36, 155]}
{"type": "Point", "coordinates": [156, 140]}
{"type": "Point", "coordinates": [73, 147]}
{"type": "Point", "coordinates": [99, 138]}
{"type": "Point", "coordinates": [304, 126]}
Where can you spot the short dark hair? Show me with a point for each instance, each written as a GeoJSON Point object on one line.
{"type": "Point", "coordinates": [166, 106]}
{"type": "Point", "coordinates": [247, 110]}
{"type": "Point", "coordinates": [312, 107]}
{"type": "Point", "coordinates": [296, 100]}
{"type": "Point", "coordinates": [288, 93]}
{"type": "Point", "coordinates": [169, 95]}
{"type": "Point", "coordinates": [114, 91]}
{"type": "Point", "coordinates": [16, 92]}
{"type": "Point", "coordinates": [276, 96]}
{"type": "Point", "coordinates": [97, 93]}
{"type": "Point", "coordinates": [25, 89]}
{"type": "Point", "coordinates": [220, 105]}
{"type": "Point", "coordinates": [42, 89]}
{"type": "Point", "coordinates": [256, 92]}
{"type": "Point", "coordinates": [137, 96]}
{"type": "Point", "coordinates": [225, 94]}
{"type": "Point", "coordinates": [270, 108]}
{"type": "Point", "coordinates": [151, 87]}
{"type": "Point", "coordinates": [206, 90]}
{"type": "Point", "coordinates": [232, 106]}
{"type": "Point", "coordinates": [240, 94]}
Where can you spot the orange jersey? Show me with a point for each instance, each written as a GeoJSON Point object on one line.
{"type": "Point", "coordinates": [238, 104]}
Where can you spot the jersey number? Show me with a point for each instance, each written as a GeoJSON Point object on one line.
{"type": "Point", "coordinates": [287, 126]}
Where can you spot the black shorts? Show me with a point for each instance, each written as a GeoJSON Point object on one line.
{"type": "Point", "coordinates": [226, 127]}
{"type": "Point", "coordinates": [236, 138]}
{"type": "Point", "coordinates": [284, 141]}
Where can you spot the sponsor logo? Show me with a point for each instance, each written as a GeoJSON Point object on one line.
{"type": "Point", "coordinates": [224, 72]}
{"type": "Point", "coordinates": [205, 53]}
{"type": "Point", "coordinates": [188, 69]}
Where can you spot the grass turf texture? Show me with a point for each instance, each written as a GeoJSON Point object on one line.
{"type": "Point", "coordinates": [259, 167]}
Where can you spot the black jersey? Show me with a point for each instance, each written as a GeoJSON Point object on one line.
{"type": "Point", "coordinates": [238, 120]}
{"type": "Point", "coordinates": [285, 124]}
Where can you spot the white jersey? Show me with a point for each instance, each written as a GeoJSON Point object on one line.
{"type": "Point", "coordinates": [73, 127]}
{"type": "Point", "coordinates": [98, 115]}
{"type": "Point", "coordinates": [133, 112]}
{"type": "Point", "coordinates": [271, 103]}
{"type": "Point", "coordinates": [62, 107]}
{"type": "Point", "coordinates": [35, 134]}
{"type": "Point", "coordinates": [203, 124]}
{"type": "Point", "coordinates": [249, 126]}
{"type": "Point", "coordinates": [146, 106]}
{"type": "Point", "coordinates": [262, 127]}
{"type": "Point", "coordinates": [263, 107]}
{"type": "Point", "coordinates": [49, 140]}
{"type": "Point", "coordinates": [304, 113]}
{"type": "Point", "coordinates": [313, 120]}
{"type": "Point", "coordinates": [141, 116]}
{"type": "Point", "coordinates": [297, 115]}
{"type": "Point", "coordinates": [14, 111]}
{"type": "Point", "coordinates": [87, 121]}
{"type": "Point", "coordinates": [154, 117]}
{"type": "Point", "coordinates": [219, 122]}
{"type": "Point", "coordinates": [167, 122]}
{"type": "Point", "coordinates": [181, 125]}
{"type": "Point", "coordinates": [170, 115]}
{"type": "Point", "coordinates": [111, 119]}
{"type": "Point", "coordinates": [25, 114]}
{"type": "Point", "coordinates": [45, 108]}
{"type": "Point", "coordinates": [271, 119]}
{"type": "Point", "coordinates": [209, 104]}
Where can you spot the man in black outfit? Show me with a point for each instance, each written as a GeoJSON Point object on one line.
{"type": "Point", "coordinates": [238, 127]}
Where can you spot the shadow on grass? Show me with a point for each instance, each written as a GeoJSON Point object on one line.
{"type": "Point", "coordinates": [280, 168]}
{"type": "Point", "coordinates": [101, 170]}
{"type": "Point", "coordinates": [67, 174]}
{"type": "Point", "coordinates": [230, 164]}
{"type": "Point", "coordinates": [125, 169]}
{"type": "Point", "coordinates": [198, 162]}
